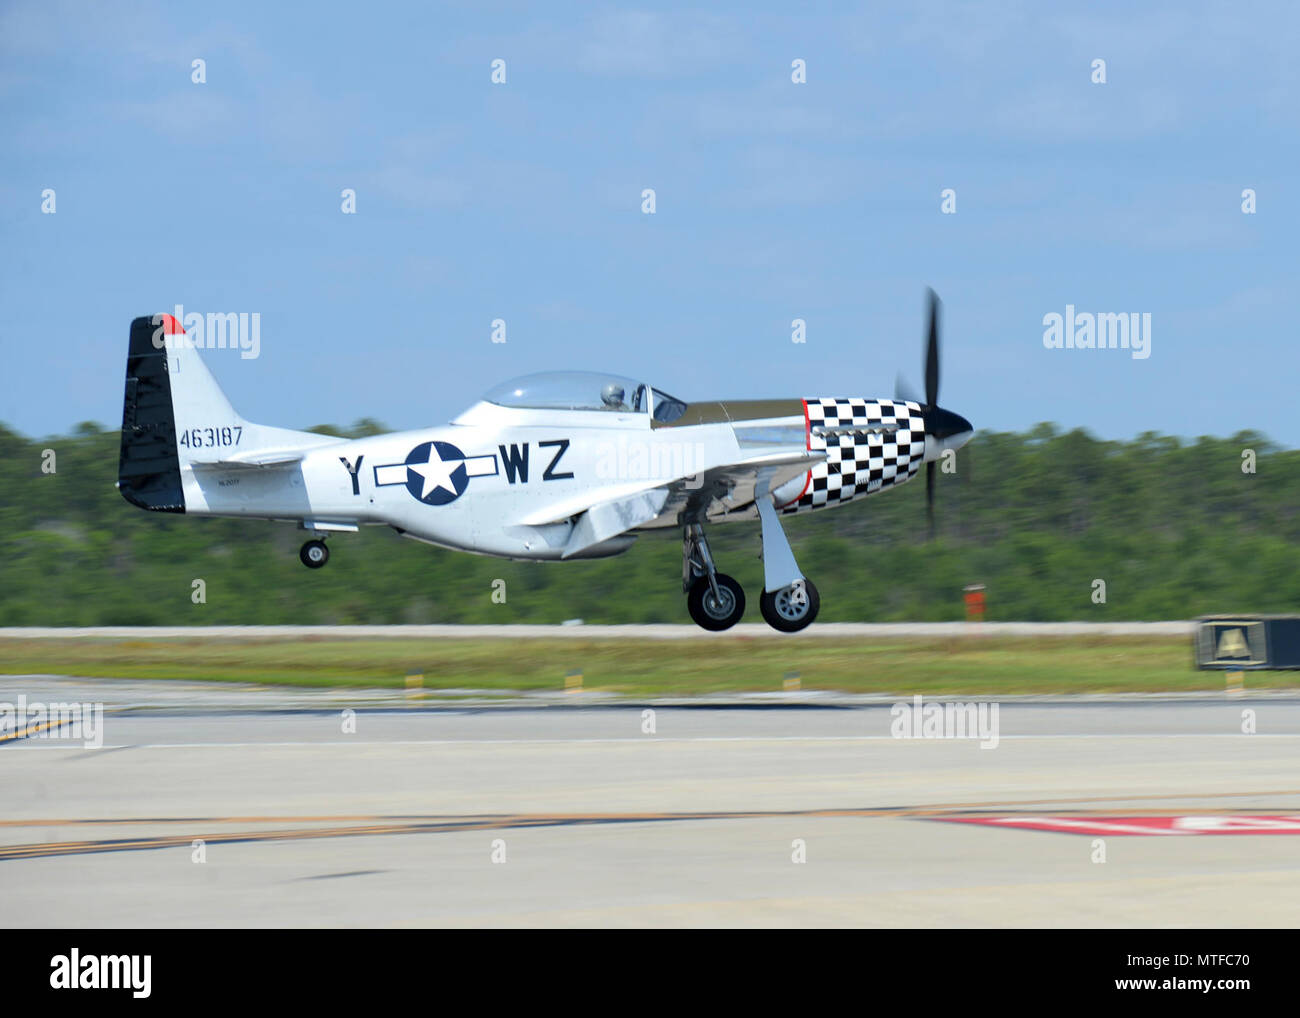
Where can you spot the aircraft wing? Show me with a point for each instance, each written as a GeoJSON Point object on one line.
{"type": "Point", "coordinates": [690, 498]}
{"type": "Point", "coordinates": [731, 487]}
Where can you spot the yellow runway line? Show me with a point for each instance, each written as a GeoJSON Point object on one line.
{"type": "Point", "coordinates": [34, 730]}
{"type": "Point", "coordinates": [461, 824]}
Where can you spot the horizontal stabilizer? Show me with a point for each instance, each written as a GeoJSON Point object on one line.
{"type": "Point", "coordinates": [260, 458]}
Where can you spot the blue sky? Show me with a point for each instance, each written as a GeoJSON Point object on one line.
{"type": "Point", "coordinates": [775, 201]}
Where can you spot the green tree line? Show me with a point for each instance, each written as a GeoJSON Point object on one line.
{"type": "Point", "coordinates": [1173, 528]}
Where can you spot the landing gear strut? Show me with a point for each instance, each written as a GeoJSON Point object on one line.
{"type": "Point", "coordinates": [314, 554]}
{"type": "Point", "coordinates": [790, 601]}
{"type": "Point", "coordinates": [715, 600]}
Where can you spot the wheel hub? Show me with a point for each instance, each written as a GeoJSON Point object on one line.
{"type": "Point", "coordinates": [792, 602]}
{"type": "Point", "coordinates": [721, 606]}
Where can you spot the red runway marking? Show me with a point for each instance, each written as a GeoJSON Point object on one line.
{"type": "Point", "coordinates": [1141, 825]}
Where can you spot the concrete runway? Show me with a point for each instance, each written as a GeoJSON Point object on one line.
{"type": "Point", "coordinates": [602, 825]}
{"type": "Point", "coordinates": [582, 631]}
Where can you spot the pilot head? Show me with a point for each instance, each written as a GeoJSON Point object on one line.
{"type": "Point", "coordinates": [612, 396]}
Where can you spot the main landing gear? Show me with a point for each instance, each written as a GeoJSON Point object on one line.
{"type": "Point", "coordinates": [314, 554]}
{"type": "Point", "coordinates": [716, 601]}
{"type": "Point", "coordinates": [791, 608]}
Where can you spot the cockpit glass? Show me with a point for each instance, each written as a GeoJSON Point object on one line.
{"type": "Point", "coordinates": [667, 408]}
{"type": "Point", "coordinates": [571, 390]}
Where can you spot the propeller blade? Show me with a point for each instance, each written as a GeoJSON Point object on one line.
{"type": "Point", "coordinates": [929, 496]}
{"type": "Point", "coordinates": [904, 391]}
{"type": "Point", "coordinates": [932, 353]}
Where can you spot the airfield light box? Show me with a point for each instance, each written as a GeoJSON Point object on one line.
{"type": "Point", "coordinates": [1248, 642]}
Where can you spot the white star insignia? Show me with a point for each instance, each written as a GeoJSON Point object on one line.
{"type": "Point", "coordinates": [436, 473]}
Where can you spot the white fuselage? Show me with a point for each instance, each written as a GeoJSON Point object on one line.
{"type": "Point", "coordinates": [510, 481]}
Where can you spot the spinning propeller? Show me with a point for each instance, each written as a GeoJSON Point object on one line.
{"type": "Point", "coordinates": [943, 428]}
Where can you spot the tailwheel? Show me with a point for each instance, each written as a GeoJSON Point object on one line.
{"type": "Point", "coordinates": [314, 554]}
{"type": "Point", "coordinates": [791, 608]}
{"type": "Point", "coordinates": [716, 611]}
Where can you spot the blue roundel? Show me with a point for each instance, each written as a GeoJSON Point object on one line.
{"type": "Point", "coordinates": [435, 473]}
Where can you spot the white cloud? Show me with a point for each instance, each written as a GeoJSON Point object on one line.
{"type": "Point", "coordinates": [647, 44]}
{"type": "Point", "coordinates": [418, 188]}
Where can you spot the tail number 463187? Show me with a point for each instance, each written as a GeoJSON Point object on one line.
{"type": "Point", "coordinates": [209, 438]}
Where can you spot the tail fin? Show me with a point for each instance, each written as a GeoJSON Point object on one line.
{"type": "Point", "coordinates": [197, 399]}
{"type": "Point", "coordinates": [175, 415]}
{"type": "Point", "coordinates": [148, 471]}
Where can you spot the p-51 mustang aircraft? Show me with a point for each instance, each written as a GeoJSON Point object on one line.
{"type": "Point", "coordinates": [554, 466]}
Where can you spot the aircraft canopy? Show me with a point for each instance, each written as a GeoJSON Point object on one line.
{"type": "Point", "coordinates": [582, 390]}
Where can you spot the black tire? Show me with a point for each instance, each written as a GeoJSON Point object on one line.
{"type": "Point", "coordinates": [314, 554]}
{"type": "Point", "coordinates": [782, 610]}
{"type": "Point", "coordinates": [711, 616]}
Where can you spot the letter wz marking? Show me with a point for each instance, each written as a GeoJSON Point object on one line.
{"type": "Point", "coordinates": [549, 473]}
{"type": "Point", "coordinates": [515, 462]}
